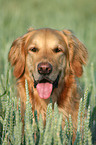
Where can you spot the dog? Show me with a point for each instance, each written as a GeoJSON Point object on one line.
{"type": "Point", "coordinates": [50, 61]}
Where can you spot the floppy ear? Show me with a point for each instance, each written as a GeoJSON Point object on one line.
{"type": "Point", "coordinates": [16, 57]}
{"type": "Point", "coordinates": [77, 53]}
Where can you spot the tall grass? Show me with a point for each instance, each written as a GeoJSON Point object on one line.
{"type": "Point", "coordinates": [34, 131]}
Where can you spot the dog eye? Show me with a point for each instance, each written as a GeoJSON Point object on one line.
{"type": "Point", "coordinates": [33, 49]}
{"type": "Point", "coordinates": [56, 50]}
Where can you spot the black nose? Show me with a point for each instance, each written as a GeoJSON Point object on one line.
{"type": "Point", "coordinates": [44, 68]}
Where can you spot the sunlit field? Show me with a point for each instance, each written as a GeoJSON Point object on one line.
{"type": "Point", "coordinates": [16, 16]}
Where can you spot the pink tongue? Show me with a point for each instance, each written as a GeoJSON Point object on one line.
{"type": "Point", "coordinates": [44, 90]}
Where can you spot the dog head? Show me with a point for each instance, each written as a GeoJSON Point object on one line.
{"type": "Point", "coordinates": [47, 56]}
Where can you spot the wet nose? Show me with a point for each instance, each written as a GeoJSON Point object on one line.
{"type": "Point", "coordinates": [44, 68]}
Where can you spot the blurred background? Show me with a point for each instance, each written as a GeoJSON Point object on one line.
{"type": "Point", "coordinates": [16, 16]}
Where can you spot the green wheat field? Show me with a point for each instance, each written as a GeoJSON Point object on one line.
{"type": "Point", "coordinates": [16, 16]}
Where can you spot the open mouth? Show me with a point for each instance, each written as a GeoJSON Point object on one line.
{"type": "Point", "coordinates": [45, 86]}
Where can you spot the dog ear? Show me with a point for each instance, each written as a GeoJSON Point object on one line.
{"type": "Point", "coordinates": [77, 53]}
{"type": "Point", "coordinates": [16, 57]}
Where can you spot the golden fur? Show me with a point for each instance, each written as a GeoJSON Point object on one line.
{"type": "Point", "coordinates": [65, 53]}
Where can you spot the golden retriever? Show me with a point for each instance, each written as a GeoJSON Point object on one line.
{"type": "Point", "coordinates": [50, 60]}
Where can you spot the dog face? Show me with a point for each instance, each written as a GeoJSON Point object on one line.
{"type": "Point", "coordinates": [47, 56]}
{"type": "Point", "coordinates": [46, 59]}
